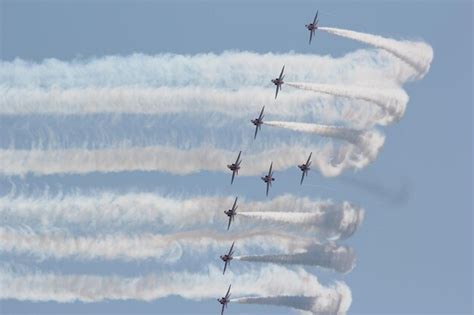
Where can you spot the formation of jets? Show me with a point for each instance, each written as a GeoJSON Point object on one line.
{"type": "Point", "coordinates": [268, 178]}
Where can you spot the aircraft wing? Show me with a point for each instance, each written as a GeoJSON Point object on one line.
{"type": "Point", "coordinates": [270, 170]}
{"type": "Point", "coordinates": [261, 113]}
{"type": "Point", "coordinates": [268, 186]}
{"type": "Point", "coordinates": [233, 175]}
{"type": "Point", "coordinates": [238, 158]}
{"type": "Point", "coordinates": [235, 203]}
{"type": "Point", "coordinates": [302, 177]}
{"type": "Point", "coordinates": [232, 247]}
{"type": "Point", "coordinates": [225, 267]}
{"type": "Point", "coordinates": [222, 311]}
{"type": "Point", "coordinates": [230, 220]}
{"type": "Point", "coordinates": [228, 291]}
{"type": "Point", "coordinates": [315, 17]}
{"type": "Point", "coordinates": [309, 159]}
{"type": "Point", "coordinates": [256, 131]}
{"type": "Point", "coordinates": [310, 36]}
{"type": "Point", "coordinates": [276, 92]}
{"type": "Point", "coordinates": [281, 73]}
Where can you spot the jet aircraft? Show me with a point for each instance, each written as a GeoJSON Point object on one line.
{"type": "Point", "coordinates": [258, 122]}
{"type": "Point", "coordinates": [312, 27]}
{"type": "Point", "coordinates": [232, 212]}
{"type": "Point", "coordinates": [225, 300]}
{"type": "Point", "coordinates": [228, 257]}
{"type": "Point", "coordinates": [305, 167]}
{"type": "Point", "coordinates": [279, 81]}
{"type": "Point", "coordinates": [268, 178]}
{"type": "Point", "coordinates": [235, 167]}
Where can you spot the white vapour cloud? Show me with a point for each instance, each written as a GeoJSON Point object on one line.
{"type": "Point", "coordinates": [367, 143]}
{"type": "Point", "coordinates": [108, 210]}
{"type": "Point", "coordinates": [330, 256]}
{"type": "Point", "coordinates": [341, 133]}
{"type": "Point", "coordinates": [338, 305]}
{"type": "Point", "coordinates": [416, 54]}
{"type": "Point", "coordinates": [244, 102]}
{"type": "Point", "coordinates": [229, 70]}
{"type": "Point", "coordinates": [340, 222]}
{"type": "Point", "coordinates": [330, 159]}
{"type": "Point", "coordinates": [393, 101]}
{"type": "Point", "coordinates": [40, 287]}
{"type": "Point", "coordinates": [165, 247]}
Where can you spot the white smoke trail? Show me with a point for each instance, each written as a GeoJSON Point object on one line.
{"type": "Point", "coordinates": [167, 248]}
{"type": "Point", "coordinates": [392, 100]}
{"type": "Point", "coordinates": [330, 160]}
{"type": "Point", "coordinates": [342, 133]}
{"type": "Point", "coordinates": [108, 210]}
{"type": "Point", "coordinates": [332, 224]}
{"type": "Point", "coordinates": [245, 102]}
{"type": "Point", "coordinates": [330, 256]}
{"type": "Point", "coordinates": [366, 143]}
{"type": "Point", "coordinates": [230, 70]}
{"type": "Point", "coordinates": [416, 54]}
{"type": "Point", "coordinates": [338, 305]}
{"type": "Point", "coordinates": [268, 281]}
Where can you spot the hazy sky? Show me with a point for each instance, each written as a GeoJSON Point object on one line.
{"type": "Point", "coordinates": [414, 249]}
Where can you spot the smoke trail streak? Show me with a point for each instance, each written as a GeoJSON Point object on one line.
{"type": "Point", "coordinates": [341, 133]}
{"type": "Point", "coordinates": [393, 101]}
{"type": "Point", "coordinates": [230, 70]}
{"type": "Point", "coordinates": [40, 287]}
{"type": "Point", "coordinates": [108, 210]}
{"type": "Point", "coordinates": [337, 305]}
{"type": "Point", "coordinates": [330, 256]}
{"type": "Point", "coordinates": [329, 160]}
{"type": "Point", "coordinates": [416, 54]}
{"type": "Point", "coordinates": [368, 142]}
{"type": "Point", "coordinates": [167, 248]}
{"type": "Point", "coordinates": [244, 102]}
{"type": "Point", "coordinates": [334, 224]}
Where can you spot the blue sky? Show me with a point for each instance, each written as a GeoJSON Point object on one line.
{"type": "Point", "coordinates": [414, 249]}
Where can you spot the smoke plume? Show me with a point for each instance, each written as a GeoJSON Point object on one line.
{"type": "Point", "coordinates": [416, 54]}
{"type": "Point", "coordinates": [330, 256]}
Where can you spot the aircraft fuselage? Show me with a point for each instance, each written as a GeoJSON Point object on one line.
{"type": "Point", "coordinates": [311, 27]}
{"type": "Point", "coordinates": [223, 300]}
{"type": "Point", "coordinates": [304, 168]}
{"type": "Point", "coordinates": [226, 258]}
{"type": "Point", "coordinates": [230, 212]}
{"type": "Point", "coordinates": [233, 167]}
{"type": "Point", "coordinates": [257, 122]}
{"type": "Point", "coordinates": [277, 81]}
{"type": "Point", "coordinates": [267, 179]}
